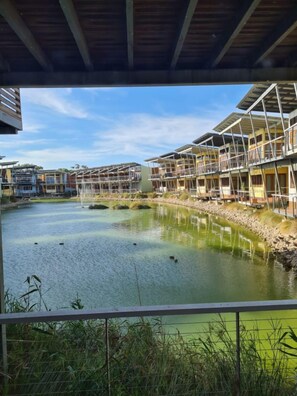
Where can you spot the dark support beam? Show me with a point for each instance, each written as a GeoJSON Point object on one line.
{"type": "Point", "coordinates": [130, 32]}
{"type": "Point", "coordinates": [232, 31]}
{"type": "Point", "coordinates": [282, 30]}
{"type": "Point", "coordinates": [4, 65]}
{"type": "Point", "coordinates": [184, 27]}
{"type": "Point", "coordinates": [76, 29]}
{"type": "Point", "coordinates": [13, 18]}
{"type": "Point", "coordinates": [147, 78]}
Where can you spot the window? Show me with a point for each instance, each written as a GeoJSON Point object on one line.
{"type": "Point", "coordinates": [225, 182]}
{"type": "Point", "coordinates": [259, 138]}
{"type": "Point", "coordinates": [257, 180]}
{"type": "Point", "coordinates": [201, 183]}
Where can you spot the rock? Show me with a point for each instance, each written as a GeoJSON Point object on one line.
{"type": "Point", "coordinates": [98, 206]}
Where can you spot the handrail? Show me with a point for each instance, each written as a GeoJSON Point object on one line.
{"type": "Point", "coordinates": [273, 152]}
{"type": "Point", "coordinates": [155, 310]}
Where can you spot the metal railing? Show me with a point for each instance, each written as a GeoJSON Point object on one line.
{"type": "Point", "coordinates": [269, 151]}
{"type": "Point", "coordinates": [212, 167]}
{"type": "Point", "coordinates": [234, 162]}
{"type": "Point", "coordinates": [186, 172]}
{"type": "Point", "coordinates": [291, 139]}
{"type": "Point", "coordinates": [285, 204]}
{"type": "Point", "coordinates": [213, 331]}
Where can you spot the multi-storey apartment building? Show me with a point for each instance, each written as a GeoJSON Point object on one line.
{"type": "Point", "coordinates": [272, 152]}
{"type": "Point", "coordinates": [52, 182]}
{"type": "Point", "coordinates": [24, 179]}
{"type": "Point", "coordinates": [118, 178]}
{"type": "Point", "coordinates": [251, 156]}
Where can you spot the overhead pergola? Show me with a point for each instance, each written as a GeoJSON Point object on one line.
{"type": "Point", "coordinates": [141, 42]}
{"type": "Point", "coordinates": [287, 93]}
{"type": "Point", "coordinates": [240, 122]}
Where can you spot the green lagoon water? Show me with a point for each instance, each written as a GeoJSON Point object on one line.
{"type": "Point", "coordinates": [99, 262]}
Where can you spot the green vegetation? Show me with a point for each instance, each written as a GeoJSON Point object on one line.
{"type": "Point", "coordinates": [98, 206]}
{"type": "Point", "coordinates": [138, 205]}
{"type": "Point", "coordinates": [120, 207]}
{"type": "Point", "coordinates": [184, 196]}
{"type": "Point", "coordinates": [141, 358]}
{"type": "Point", "coordinates": [5, 200]}
{"type": "Point", "coordinates": [52, 200]}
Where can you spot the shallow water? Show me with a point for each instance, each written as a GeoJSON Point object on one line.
{"type": "Point", "coordinates": [99, 262]}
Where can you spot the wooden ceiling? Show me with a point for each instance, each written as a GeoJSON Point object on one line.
{"type": "Point", "coordinates": [141, 42]}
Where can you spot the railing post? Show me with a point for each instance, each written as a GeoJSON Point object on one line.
{"type": "Point", "coordinates": [238, 368]}
{"type": "Point", "coordinates": [107, 361]}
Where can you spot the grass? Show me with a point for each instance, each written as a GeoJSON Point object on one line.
{"type": "Point", "coordinates": [141, 359]}
{"type": "Point", "coordinates": [52, 200]}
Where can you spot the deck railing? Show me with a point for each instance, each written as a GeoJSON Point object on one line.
{"type": "Point", "coordinates": [235, 332]}
{"type": "Point", "coordinates": [212, 167]}
{"type": "Point", "coordinates": [186, 172]}
{"type": "Point", "coordinates": [235, 162]}
{"type": "Point", "coordinates": [285, 204]}
{"type": "Point", "coordinates": [291, 139]}
{"type": "Point", "coordinates": [269, 151]}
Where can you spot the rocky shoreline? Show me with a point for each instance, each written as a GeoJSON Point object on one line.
{"type": "Point", "coordinates": [284, 247]}
{"type": "Point", "coordinates": [17, 204]}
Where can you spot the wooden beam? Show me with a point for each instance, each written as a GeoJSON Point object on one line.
{"type": "Point", "coordinates": [4, 65]}
{"type": "Point", "coordinates": [148, 77]}
{"type": "Point", "coordinates": [130, 32]}
{"type": "Point", "coordinates": [184, 27]}
{"type": "Point", "coordinates": [13, 18]}
{"type": "Point", "coordinates": [76, 29]}
{"type": "Point", "coordinates": [275, 37]}
{"type": "Point", "coordinates": [232, 31]}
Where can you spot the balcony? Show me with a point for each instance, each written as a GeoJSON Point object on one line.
{"type": "Point", "coordinates": [212, 167]}
{"type": "Point", "coordinates": [291, 140]}
{"type": "Point", "coordinates": [270, 151]}
{"type": "Point", "coordinates": [235, 162]}
{"type": "Point", "coordinates": [10, 111]}
{"type": "Point", "coordinates": [186, 172]}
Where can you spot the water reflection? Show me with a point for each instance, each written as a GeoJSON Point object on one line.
{"type": "Point", "coordinates": [119, 258]}
{"type": "Point", "coordinates": [203, 230]}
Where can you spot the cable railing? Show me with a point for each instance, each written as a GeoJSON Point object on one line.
{"type": "Point", "coordinates": [196, 349]}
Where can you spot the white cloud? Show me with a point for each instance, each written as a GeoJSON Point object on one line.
{"type": "Point", "coordinates": [19, 143]}
{"type": "Point", "coordinates": [145, 134]}
{"type": "Point", "coordinates": [57, 157]}
{"type": "Point", "coordinates": [56, 100]}
{"type": "Point", "coordinates": [133, 137]}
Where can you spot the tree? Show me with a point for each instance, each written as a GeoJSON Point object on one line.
{"type": "Point", "coordinates": [38, 167]}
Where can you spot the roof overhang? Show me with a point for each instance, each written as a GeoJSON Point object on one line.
{"type": "Point", "coordinates": [287, 94]}
{"type": "Point", "coordinates": [132, 43]}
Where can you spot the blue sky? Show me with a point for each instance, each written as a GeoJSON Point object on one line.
{"type": "Point", "coordinates": [100, 126]}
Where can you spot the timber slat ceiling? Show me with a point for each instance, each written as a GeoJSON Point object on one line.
{"type": "Point", "coordinates": [177, 41]}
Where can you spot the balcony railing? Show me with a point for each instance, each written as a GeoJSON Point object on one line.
{"type": "Point", "coordinates": [186, 172]}
{"type": "Point", "coordinates": [291, 139]}
{"type": "Point", "coordinates": [269, 151]}
{"type": "Point", "coordinates": [231, 335]}
{"type": "Point", "coordinates": [212, 167]}
{"type": "Point", "coordinates": [235, 162]}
